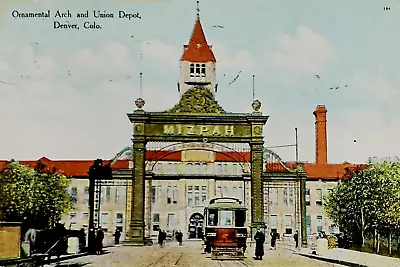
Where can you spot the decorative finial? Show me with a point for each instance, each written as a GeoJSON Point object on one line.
{"type": "Point", "coordinates": [140, 103]}
{"type": "Point", "coordinates": [198, 10]}
{"type": "Point", "coordinates": [256, 106]}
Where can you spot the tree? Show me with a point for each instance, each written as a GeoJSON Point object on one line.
{"type": "Point", "coordinates": [41, 198]}
{"type": "Point", "coordinates": [368, 202]}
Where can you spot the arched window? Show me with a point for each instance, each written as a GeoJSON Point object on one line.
{"type": "Point", "coordinates": [191, 68]}
{"type": "Point", "coordinates": [197, 68]}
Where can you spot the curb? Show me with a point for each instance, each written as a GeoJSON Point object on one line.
{"type": "Point", "coordinates": [330, 260]}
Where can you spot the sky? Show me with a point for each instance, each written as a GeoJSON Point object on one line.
{"type": "Point", "coordinates": [68, 91]}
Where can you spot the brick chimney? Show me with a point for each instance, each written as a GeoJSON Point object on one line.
{"type": "Point", "coordinates": [321, 144]}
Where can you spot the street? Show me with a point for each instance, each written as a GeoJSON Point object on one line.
{"type": "Point", "coordinates": [187, 255]}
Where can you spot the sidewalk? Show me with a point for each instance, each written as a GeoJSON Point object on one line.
{"type": "Point", "coordinates": [353, 258]}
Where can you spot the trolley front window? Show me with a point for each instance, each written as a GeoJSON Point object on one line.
{"type": "Point", "coordinates": [226, 217]}
{"type": "Point", "coordinates": [212, 217]}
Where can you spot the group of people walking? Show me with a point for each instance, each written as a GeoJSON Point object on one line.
{"type": "Point", "coordinates": [162, 236]}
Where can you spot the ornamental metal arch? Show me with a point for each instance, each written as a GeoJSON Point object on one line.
{"type": "Point", "coordinates": [211, 148]}
{"type": "Point", "coordinates": [269, 154]}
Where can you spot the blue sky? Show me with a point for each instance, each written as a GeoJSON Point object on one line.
{"type": "Point", "coordinates": [77, 85]}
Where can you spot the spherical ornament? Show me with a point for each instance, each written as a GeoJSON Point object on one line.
{"type": "Point", "coordinates": [256, 105]}
{"type": "Point", "coordinates": [140, 103]}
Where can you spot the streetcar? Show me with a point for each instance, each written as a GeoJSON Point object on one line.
{"type": "Point", "coordinates": [225, 233]}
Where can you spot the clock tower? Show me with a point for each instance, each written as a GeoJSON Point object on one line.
{"type": "Point", "coordinates": [197, 62]}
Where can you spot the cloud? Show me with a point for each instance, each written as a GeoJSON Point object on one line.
{"type": "Point", "coordinates": [111, 58]}
{"type": "Point", "coordinates": [229, 61]}
{"type": "Point", "coordinates": [160, 52]}
{"type": "Point", "coordinates": [307, 52]}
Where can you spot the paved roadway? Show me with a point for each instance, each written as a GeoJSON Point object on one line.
{"type": "Point", "coordinates": [188, 255]}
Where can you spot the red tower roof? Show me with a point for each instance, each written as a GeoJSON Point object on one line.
{"type": "Point", "coordinates": [198, 50]}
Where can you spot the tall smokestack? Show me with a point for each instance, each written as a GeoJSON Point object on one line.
{"type": "Point", "coordinates": [321, 146]}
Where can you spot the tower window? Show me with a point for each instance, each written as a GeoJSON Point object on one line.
{"type": "Point", "coordinates": [203, 69]}
{"type": "Point", "coordinates": [191, 68]}
{"type": "Point", "coordinates": [197, 68]}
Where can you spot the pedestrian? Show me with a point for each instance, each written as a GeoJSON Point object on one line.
{"type": "Point", "coordinates": [160, 238]}
{"type": "Point", "coordinates": [296, 238]}
{"type": "Point", "coordinates": [99, 241]}
{"type": "Point", "coordinates": [259, 237]}
{"type": "Point", "coordinates": [179, 237]}
{"type": "Point", "coordinates": [273, 240]}
{"type": "Point", "coordinates": [82, 240]}
{"type": "Point", "coordinates": [117, 235]}
{"type": "Point", "coordinates": [164, 234]}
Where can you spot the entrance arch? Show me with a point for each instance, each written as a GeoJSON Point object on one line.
{"type": "Point", "coordinates": [195, 228]}
{"type": "Point", "coordinates": [195, 120]}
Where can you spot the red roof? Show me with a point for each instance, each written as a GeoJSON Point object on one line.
{"type": "Point", "coordinates": [80, 168]}
{"type": "Point", "coordinates": [72, 168]}
{"type": "Point", "coordinates": [198, 49]}
{"type": "Point", "coordinates": [320, 171]}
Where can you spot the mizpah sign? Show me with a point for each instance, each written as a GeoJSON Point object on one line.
{"type": "Point", "coordinates": [199, 130]}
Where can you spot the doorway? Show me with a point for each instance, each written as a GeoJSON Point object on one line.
{"type": "Point", "coordinates": [196, 226]}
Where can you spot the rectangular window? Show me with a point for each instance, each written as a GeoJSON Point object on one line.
{"type": "Point", "coordinates": [102, 194]}
{"type": "Point", "coordinates": [240, 193]}
{"type": "Point", "coordinates": [156, 221]}
{"type": "Point", "coordinates": [204, 168]}
{"type": "Point", "coordinates": [308, 197]}
{"type": "Point", "coordinates": [291, 195]}
{"type": "Point", "coordinates": [158, 192]}
{"type": "Point", "coordinates": [308, 224]}
{"type": "Point", "coordinates": [197, 168]}
{"type": "Point", "coordinates": [288, 224]}
{"type": "Point", "coordinates": [275, 196]}
{"type": "Point", "coordinates": [235, 192]}
{"type": "Point", "coordinates": [153, 194]}
{"type": "Point", "coordinates": [219, 168]}
{"type": "Point", "coordinates": [285, 195]}
{"type": "Point", "coordinates": [170, 225]}
{"type": "Point", "coordinates": [219, 191]}
{"type": "Point", "coordinates": [104, 221]}
{"type": "Point", "coordinates": [108, 194]}
{"type": "Point", "coordinates": [203, 195]}
{"type": "Point", "coordinates": [190, 195]}
{"type": "Point", "coordinates": [85, 218]}
{"type": "Point", "coordinates": [197, 199]}
{"type": "Point", "coordinates": [74, 194]}
{"type": "Point", "coordinates": [319, 197]}
{"type": "Point", "coordinates": [117, 196]}
{"type": "Point", "coordinates": [225, 168]}
{"type": "Point", "coordinates": [175, 195]}
{"type": "Point", "coordinates": [120, 218]}
{"type": "Point", "coordinates": [225, 191]}
{"type": "Point", "coordinates": [86, 195]}
{"type": "Point", "coordinates": [169, 194]}
{"type": "Point", "coordinates": [123, 192]}
{"type": "Point", "coordinates": [274, 222]}
{"type": "Point", "coordinates": [319, 223]}
{"type": "Point", "coordinates": [188, 168]}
